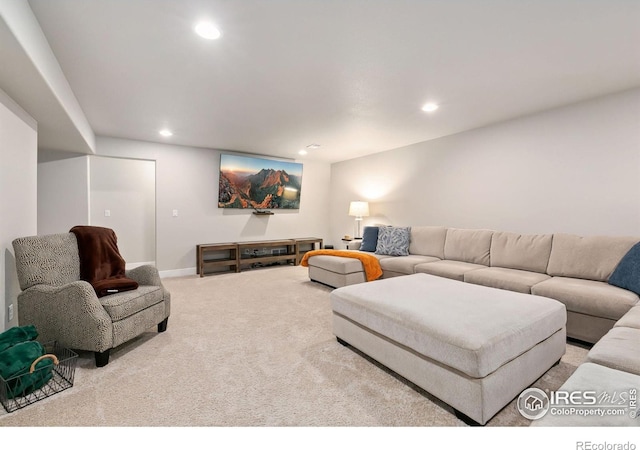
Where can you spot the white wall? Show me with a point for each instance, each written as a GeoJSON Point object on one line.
{"type": "Point", "coordinates": [76, 191]}
{"type": "Point", "coordinates": [575, 169]}
{"type": "Point", "coordinates": [19, 18]}
{"type": "Point", "coordinates": [63, 194]}
{"type": "Point", "coordinates": [18, 196]}
{"type": "Point", "coordinates": [125, 188]}
{"type": "Point", "coordinates": [187, 181]}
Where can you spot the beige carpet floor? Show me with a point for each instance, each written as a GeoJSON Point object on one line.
{"type": "Point", "coordinates": [249, 349]}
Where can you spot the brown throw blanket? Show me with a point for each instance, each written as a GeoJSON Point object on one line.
{"type": "Point", "coordinates": [100, 262]}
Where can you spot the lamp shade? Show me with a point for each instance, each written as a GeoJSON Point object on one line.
{"type": "Point", "coordinates": [359, 209]}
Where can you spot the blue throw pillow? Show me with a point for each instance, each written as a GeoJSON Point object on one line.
{"type": "Point", "coordinates": [627, 272]}
{"type": "Point", "coordinates": [393, 241]}
{"type": "Point", "coordinates": [369, 239]}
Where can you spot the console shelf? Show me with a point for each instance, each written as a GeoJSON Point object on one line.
{"type": "Point", "coordinates": [260, 253]}
{"type": "Point", "coordinates": [221, 255]}
{"type": "Point", "coordinates": [234, 256]}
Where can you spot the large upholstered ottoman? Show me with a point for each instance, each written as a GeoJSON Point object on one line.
{"type": "Point", "coordinates": [336, 271]}
{"type": "Point", "coordinates": [474, 347]}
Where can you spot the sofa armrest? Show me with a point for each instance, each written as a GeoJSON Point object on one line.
{"type": "Point", "coordinates": [146, 275]}
{"type": "Point", "coordinates": [70, 314]}
{"type": "Point", "coordinates": [354, 245]}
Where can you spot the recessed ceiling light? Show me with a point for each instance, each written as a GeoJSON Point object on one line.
{"type": "Point", "coordinates": [302, 152]}
{"type": "Point", "coordinates": [207, 30]}
{"type": "Point", "coordinates": [165, 133]}
{"type": "Point", "coordinates": [430, 107]}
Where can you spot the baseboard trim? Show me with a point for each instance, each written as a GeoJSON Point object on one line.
{"type": "Point", "coordinates": [177, 272]}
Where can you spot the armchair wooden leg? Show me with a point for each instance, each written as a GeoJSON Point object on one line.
{"type": "Point", "coordinates": [162, 326]}
{"type": "Point", "coordinates": [102, 358]}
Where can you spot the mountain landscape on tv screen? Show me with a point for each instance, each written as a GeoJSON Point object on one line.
{"type": "Point", "coordinates": [267, 189]}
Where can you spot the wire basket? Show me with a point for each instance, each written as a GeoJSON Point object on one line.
{"type": "Point", "coordinates": [61, 378]}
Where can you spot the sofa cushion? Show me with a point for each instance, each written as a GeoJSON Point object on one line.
{"type": "Point", "coordinates": [590, 258]}
{"type": "Point", "coordinates": [472, 246]}
{"type": "Point", "coordinates": [404, 264]}
{"type": "Point", "coordinates": [594, 298]}
{"type": "Point", "coordinates": [618, 349]}
{"type": "Point", "coordinates": [627, 273]}
{"type": "Point", "coordinates": [502, 278]}
{"type": "Point", "coordinates": [521, 251]}
{"type": "Point", "coordinates": [381, 257]}
{"type": "Point", "coordinates": [602, 380]}
{"type": "Point", "coordinates": [125, 304]}
{"type": "Point", "coordinates": [393, 241]}
{"type": "Point", "coordinates": [428, 241]}
{"type": "Point", "coordinates": [630, 319]}
{"type": "Point", "coordinates": [369, 239]}
{"type": "Point", "coordinates": [448, 269]}
{"type": "Point", "coordinates": [336, 264]}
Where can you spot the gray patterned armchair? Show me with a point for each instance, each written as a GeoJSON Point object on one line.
{"type": "Point", "coordinates": [66, 309]}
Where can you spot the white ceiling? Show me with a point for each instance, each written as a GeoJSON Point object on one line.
{"type": "Point", "coordinates": [350, 75]}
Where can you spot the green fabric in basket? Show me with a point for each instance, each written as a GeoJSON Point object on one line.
{"type": "Point", "coordinates": [15, 335]}
{"type": "Point", "coordinates": [15, 363]}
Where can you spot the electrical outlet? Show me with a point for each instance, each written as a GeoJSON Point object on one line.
{"type": "Point", "coordinates": [107, 213]}
{"type": "Point", "coordinates": [10, 312]}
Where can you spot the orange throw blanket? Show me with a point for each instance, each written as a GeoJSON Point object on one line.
{"type": "Point", "coordinates": [370, 263]}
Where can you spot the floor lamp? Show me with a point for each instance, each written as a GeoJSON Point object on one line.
{"type": "Point", "coordinates": [359, 210]}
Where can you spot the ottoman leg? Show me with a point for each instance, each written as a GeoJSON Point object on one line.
{"type": "Point", "coordinates": [162, 326]}
{"type": "Point", "coordinates": [466, 419]}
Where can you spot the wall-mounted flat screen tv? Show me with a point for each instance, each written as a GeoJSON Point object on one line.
{"type": "Point", "coordinates": [258, 183]}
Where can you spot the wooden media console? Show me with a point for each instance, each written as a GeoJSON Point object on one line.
{"type": "Point", "coordinates": [215, 258]}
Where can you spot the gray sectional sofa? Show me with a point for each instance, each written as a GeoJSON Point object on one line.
{"type": "Point", "coordinates": [612, 368]}
{"type": "Point", "coordinates": [573, 270]}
